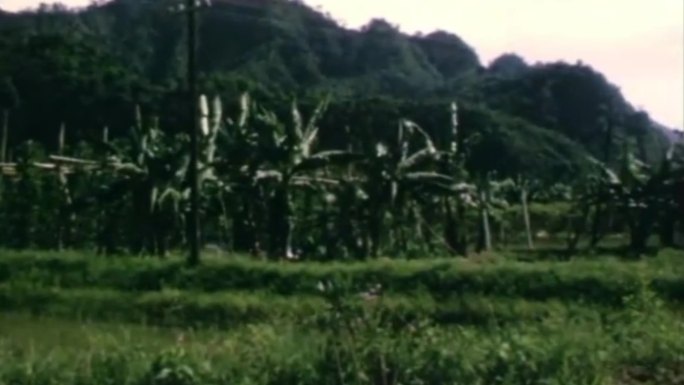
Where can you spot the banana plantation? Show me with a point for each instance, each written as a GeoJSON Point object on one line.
{"type": "Point", "coordinates": [272, 188]}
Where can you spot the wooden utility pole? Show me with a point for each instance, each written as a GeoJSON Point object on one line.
{"type": "Point", "coordinates": [5, 131]}
{"type": "Point", "coordinates": [193, 109]}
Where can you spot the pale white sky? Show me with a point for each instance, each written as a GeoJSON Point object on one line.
{"type": "Point", "coordinates": [638, 44]}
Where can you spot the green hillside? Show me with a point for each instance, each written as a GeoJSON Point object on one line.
{"type": "Point", "coordinates": [88, 68]}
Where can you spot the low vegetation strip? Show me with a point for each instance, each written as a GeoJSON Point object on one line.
{"type": "Point", "coordinates": [598, 281]}
{"type": "Point", "coordinates": [81, 319]}
{"type": "Point", "coordinates": [229, 309]}
{"type": "Point", "coordinates": [632, 350]}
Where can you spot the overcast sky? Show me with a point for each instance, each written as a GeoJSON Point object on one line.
{"type": "Point", "coordinates": [638, 44]}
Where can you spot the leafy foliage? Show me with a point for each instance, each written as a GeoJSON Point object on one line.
{"type": "Point", "coordinates": [356, 328]}
{"type": "Point", "coordinates": [87, 67]}
{"type": "Point", "coordinates": [382, 165]}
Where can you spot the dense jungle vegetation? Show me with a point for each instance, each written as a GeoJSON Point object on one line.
{"type": "Point", "coordinates": [383, 163]}
{"type": "Point", "coordinates": [377, 208]}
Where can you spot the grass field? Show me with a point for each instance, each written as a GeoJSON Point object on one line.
{"type": "Point", "coordinates": [79, 319]}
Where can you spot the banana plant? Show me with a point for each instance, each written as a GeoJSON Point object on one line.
{"type": "Point", "coordinates": [294, 162]}
{"type": "Point", "coordinates": [214, 185]}
{"type": "Point", "coordinates": [275, 158]}
{"type": "Point", "coordinates": [592, 190]}
{"type": "Point", "coordinates": [673, 231]}
{"type": "Point", "coordinates": [523, 189]}
{"type": "Point", "coordinates": [151, 168]}
{"type": "Point", "coordinates": [672, 174]}
{"type": "Point", "coordinates": [463, 196]}
{"type": "Point", "coordinates": [9, 100]}
{"type": "Point", "coordinates": [236, 168]}
{"type": "Point", "coordinates": [490, 202]}
{"type": "Point", "coordinates": [645, 196]}
{"type": "Point", "coordinates": [641, 194]}
{"type": "Point", "coordinates": [394, 177]}
{"type": "Point", "coordinates": [637, 196]}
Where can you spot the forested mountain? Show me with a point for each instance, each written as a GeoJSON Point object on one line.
{"type": "Point", "coordinates": [88, 69]}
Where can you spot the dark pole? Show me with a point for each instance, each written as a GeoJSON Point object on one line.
{"type": "Point", "coordinates": [193, 236]}
{"type": "Point", "coordinates": [608, 141]}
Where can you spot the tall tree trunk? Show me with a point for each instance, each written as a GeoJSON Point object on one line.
{"type": "Point", "coordinates": [192, 10]}
{"type": "Point", "coordinates": [104, 243]}
{"type": "Point", "coordinates": [526, 217]}
{"type": "Point", "coordinates": [244, 230]}
{"type": "Point", "coordinates": [463, 231]}
{"type": "Point", "coordinates": [289, 228]}
{"type": "Point", "coordinates": [345, 223]}
{"type": "Point", "coordinates": [162, 226]}
{"type": "Point", "coordinates": [280, 245]}
{"type": "Point", "coordinates": [140, 231]}
{"type": "Point", "coordinates": [107, 231]}
{"type": "Point", "coordinates": [223, 221]}
{"type": "Point", "coordinates": [486, 233]}
{"type": "Point", "coordinates": [375, 227]}
{"type": "Point", "coordinates": [451, 236]}
{"type": "Point", "coordinates": [66, 216]}
{"type": "Point", "coordinates": [399, 242]}
{"type": "Point", "coordinates": [420, 229]}
{"type": "Point", "coordinates": [329, 237]}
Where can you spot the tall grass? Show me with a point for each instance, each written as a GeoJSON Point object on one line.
{"type": "Point", "coordinates": [228, 309]}
{"type": "Point", "coordinates": [599, 280]}
{"type": "Point", "coordinates": [643, 342]}
{"type": "Point", "coordinates": [77, 319]}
